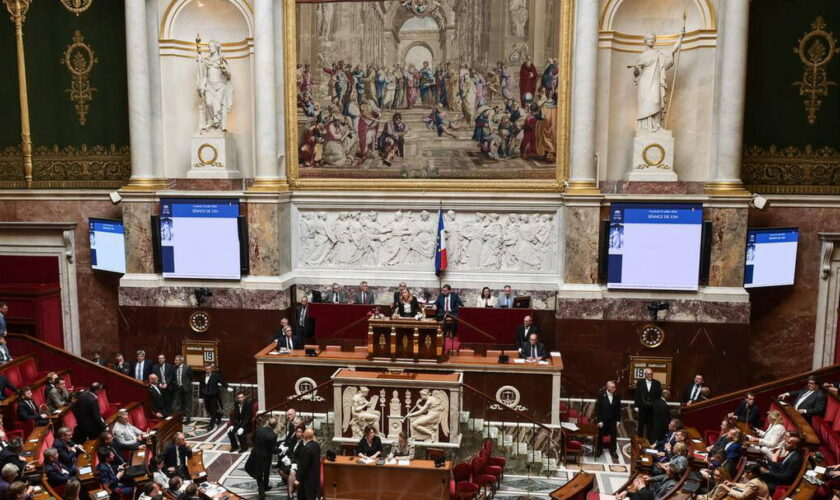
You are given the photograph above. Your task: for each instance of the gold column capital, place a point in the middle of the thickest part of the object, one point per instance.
(725, 188)
(269, 186)
(583, 187)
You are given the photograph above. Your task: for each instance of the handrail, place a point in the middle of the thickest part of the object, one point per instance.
(479, 330)
(739, 394)
(517, 412)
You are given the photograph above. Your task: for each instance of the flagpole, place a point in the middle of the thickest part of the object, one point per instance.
(676, 72)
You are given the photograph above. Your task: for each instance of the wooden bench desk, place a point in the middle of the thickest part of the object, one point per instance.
(420, 480)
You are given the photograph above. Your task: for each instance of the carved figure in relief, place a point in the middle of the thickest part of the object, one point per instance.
(491, 238)
(358, 411)
(433, 412)
(321, 240)
(423, 242)
(509, 240)
(525, 246)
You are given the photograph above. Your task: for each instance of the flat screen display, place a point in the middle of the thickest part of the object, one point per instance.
(655, 246)
(199, 238)
(107, 245)
(771, 257)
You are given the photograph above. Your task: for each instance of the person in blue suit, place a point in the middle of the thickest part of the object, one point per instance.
(447, 304)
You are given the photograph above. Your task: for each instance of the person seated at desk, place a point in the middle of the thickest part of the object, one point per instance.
(772, 437)
(669, 439)
(370, 446)
(190, 492)
(785, 471)
(486, 299)
(747, 411)
(288, 341)
(110, 480)
(447, 304)
(20, 490)
(505, 299)
(127, 436)
(67, 450)
(175, 457)
(28, 409)
(150, 491)
(753, 489)
(398, 294)
(809, 401)
(365, 296)
(279, 333)
(403, 448)
(176, 487)
(59, 396)
(715, 480)
(336, 295)
(408, 307)
(524, 330)
(57, 474)
(534, 350)
(637, 491)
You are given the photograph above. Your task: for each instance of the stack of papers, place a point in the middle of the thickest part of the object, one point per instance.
(569, 425)
(819, 469)
(404, 461)
(556, 354)
(518, 360)
(366, 460)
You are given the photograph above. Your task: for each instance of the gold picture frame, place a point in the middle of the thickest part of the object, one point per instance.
(563, 132)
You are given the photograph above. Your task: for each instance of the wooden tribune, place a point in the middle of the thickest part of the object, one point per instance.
(421, 480)
(406, 339)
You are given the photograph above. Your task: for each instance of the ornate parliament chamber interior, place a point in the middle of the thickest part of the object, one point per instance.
(420, 249)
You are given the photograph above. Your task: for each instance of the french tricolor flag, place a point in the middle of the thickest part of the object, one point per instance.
(440, 253)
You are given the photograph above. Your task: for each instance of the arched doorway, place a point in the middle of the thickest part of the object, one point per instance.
(420, 42)
(417, 54)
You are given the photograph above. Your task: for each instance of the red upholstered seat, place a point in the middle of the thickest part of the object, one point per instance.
(481, 478)
(68, 419)
(38, 395)
(14, 376)
(29, 371)
(711, 437)
(461, 486)
(831, 407)
(138, 419)
(487, 447)
(830, 457)
(780, 493)
(106, 408)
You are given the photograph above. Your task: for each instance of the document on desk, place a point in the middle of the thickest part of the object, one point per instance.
(518, 360)
(556, 354)
(569, 425)
(366, 460)
(404, 461)
(543, 362)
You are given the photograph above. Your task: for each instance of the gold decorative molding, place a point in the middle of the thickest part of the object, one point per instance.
(792, 170)
(68, 167)
(17, 11)
(79, 59)
(815, 50)
(554, 184)
(77, 6)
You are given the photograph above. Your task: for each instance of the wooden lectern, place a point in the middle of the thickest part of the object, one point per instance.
(405, 339)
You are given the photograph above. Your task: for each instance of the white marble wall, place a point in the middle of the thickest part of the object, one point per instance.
(477, 241)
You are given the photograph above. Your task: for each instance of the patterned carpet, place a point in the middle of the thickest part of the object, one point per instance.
(228, 469)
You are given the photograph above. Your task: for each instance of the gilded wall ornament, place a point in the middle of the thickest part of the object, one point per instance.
(792, 170)
(79, 59)
(68, 167)
(77, 6)
(815, 50)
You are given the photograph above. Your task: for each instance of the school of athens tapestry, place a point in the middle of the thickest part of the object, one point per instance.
(430, 89)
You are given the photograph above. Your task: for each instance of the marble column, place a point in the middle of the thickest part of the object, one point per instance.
(279, 90)
(143, 171)
(267, 176)
(725, 178)
(584, 100)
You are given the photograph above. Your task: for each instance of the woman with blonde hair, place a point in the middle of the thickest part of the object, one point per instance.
(770, 439)
(716, 479)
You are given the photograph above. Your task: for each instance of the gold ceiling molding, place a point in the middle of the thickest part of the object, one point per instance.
(77, 6)
(815, 49)
(79, 59)
(623, 42)
(105, 167)
(186, 49)
(791, 170)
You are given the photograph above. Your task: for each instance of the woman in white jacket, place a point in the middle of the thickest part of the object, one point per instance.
(486, 299)
(773, 437)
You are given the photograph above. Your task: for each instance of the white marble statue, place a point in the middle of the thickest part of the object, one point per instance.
(649, 76)
(518, 11)
(431, 413)
(358, 411)
(214, 88)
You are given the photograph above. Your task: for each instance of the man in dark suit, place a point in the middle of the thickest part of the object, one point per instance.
(809, 401)
(11, 454)
(336, 295)
(304, 324)
(288, 340)
(182, 389)
(157, 397)
(89, 423)
(57, 474)
(447, 304)
(747, 411)
(505, 299)
(691, 394)
(660, 416)
(28, 409)
(106, 440)
(784, 471)
(141, 368)
(524, 330)
(240, 422)
(175, 457)
(534, 350)
(210, 387)
(607, 415)
(668, 441)
(258, 465)
(109, 477)
(68, 451)
(6, 385)
(97, 358)
(648, 391)
(121, 365)
(165, 373)
(309, 468)
(364, 296)
(4, 310)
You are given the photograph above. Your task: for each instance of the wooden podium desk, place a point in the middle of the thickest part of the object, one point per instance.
(346, 479)
(537, 385)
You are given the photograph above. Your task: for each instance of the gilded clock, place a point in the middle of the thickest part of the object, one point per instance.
(651, 336)
(199, 321)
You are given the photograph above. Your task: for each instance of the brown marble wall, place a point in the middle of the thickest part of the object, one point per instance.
(582, 224)
(222, 298)
(264, 239)
(97, 290)
(136, 215)
(729, 234)
(626, 309)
